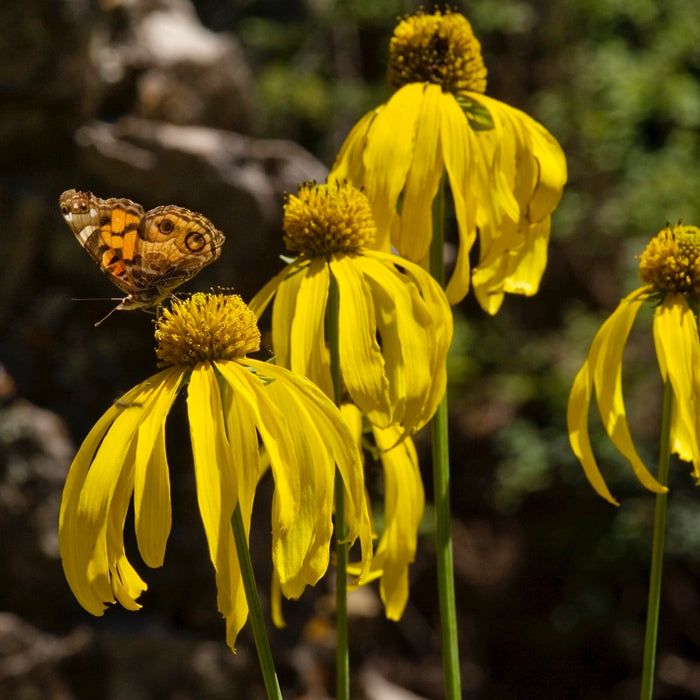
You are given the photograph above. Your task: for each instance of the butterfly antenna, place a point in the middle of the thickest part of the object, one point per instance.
(96, 298)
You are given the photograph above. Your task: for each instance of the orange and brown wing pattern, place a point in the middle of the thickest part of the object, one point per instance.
(107, 229)
(175, 244)
(146, 254)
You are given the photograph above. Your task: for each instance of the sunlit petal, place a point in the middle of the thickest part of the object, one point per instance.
(606, 362)
(349, 166)
(152, 512)
(260, 301)
(407, 330)
(245, 450)
(98, 469)
(404, 502)
(531, 159)
(430, 312)
(283, 311)
(388, 154)
(301, 553)
(603, 369)
(306, 334)
(458, 143)
(341, 448)
(361, 362)
(577, 422)
(217, 491)
(423, 178)
(273, 430)
(678, 350)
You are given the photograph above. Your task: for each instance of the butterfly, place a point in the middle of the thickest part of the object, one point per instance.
(147, 254)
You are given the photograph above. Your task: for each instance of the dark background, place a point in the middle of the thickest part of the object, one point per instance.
(224, 106)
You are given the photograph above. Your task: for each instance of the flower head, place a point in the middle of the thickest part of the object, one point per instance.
(505, 171)
(671, 261)
(440, 49)
(208, 327)
(395, 322)
(671, 272)
(325, 219)
(234, 403)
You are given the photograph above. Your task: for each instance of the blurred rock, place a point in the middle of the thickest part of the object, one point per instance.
(157, 60)
(30, 659)
(46, 84)
(35, 452)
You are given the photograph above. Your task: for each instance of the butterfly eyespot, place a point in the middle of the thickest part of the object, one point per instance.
(166, 226)
(195, 241)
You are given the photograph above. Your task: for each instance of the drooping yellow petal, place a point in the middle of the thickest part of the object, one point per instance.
(306, 334)
(529, 172)
(90, 559)
(411, 332)
(389, 154)
(341, 450)
(361, 361)
(300, 554)
(216, 493)
(404, 503)
(432, 313)
(458, 143)
(152, 512)
(531, 159)
(261, 300)
(109, 466)
(271, 425)
(276, 612)
(577, 421)
(603, 369)
(349, 165)
(245, 452)
(605, 357)
(104, 500)
(413, 235)
(531, 261)
(678, 350)
(495, 166)
(75, 544)
(283, 311)
(513, 263)
(110, 553)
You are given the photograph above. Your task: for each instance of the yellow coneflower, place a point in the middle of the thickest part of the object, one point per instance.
(234, 403)
(670, 270)
(506, 172)
(395, 324)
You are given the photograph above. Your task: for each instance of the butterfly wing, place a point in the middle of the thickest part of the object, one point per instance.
(108, 230)
(174, 245)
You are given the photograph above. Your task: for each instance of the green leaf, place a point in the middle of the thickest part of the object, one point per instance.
(477, 115)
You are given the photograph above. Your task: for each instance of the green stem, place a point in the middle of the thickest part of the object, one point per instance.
(441, 487)
(262, 643)
(657, 550)
(342, 656)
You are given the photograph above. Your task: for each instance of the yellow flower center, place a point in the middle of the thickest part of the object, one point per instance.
(325, 219)
(441, 49)
(205, 327)
(671, 260)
